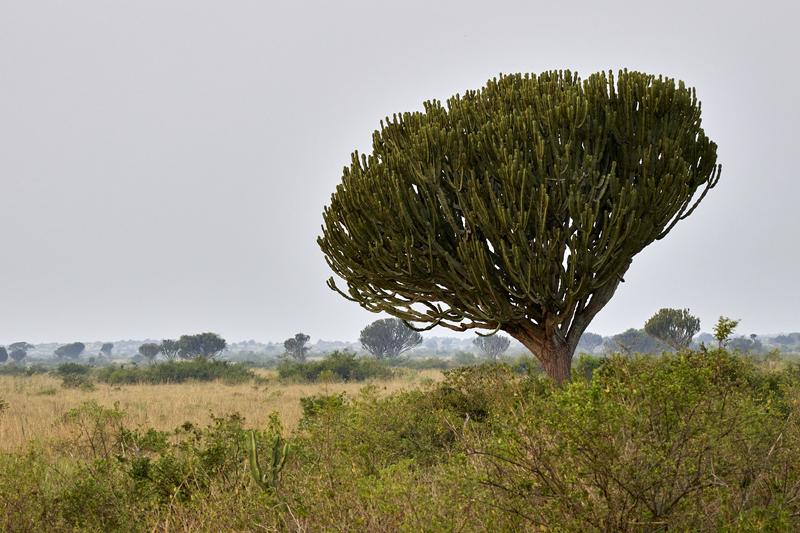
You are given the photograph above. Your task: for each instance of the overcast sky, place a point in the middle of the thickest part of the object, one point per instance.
(164, 164)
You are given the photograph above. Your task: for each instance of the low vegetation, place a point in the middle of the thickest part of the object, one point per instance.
(693, 441)
(176, 372)
(344, 366)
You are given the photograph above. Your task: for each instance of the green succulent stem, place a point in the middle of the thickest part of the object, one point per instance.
(268, 479)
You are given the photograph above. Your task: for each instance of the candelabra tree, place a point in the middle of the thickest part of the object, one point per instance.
(519, 206)
(675, 327)
(388, 338)
(493, 346)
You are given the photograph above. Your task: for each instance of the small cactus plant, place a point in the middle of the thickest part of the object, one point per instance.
(268, 479)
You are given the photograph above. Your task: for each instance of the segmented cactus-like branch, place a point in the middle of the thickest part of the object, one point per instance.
(518, 206)
(268, 479)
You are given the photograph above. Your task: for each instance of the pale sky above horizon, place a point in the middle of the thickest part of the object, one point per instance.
(164, 165)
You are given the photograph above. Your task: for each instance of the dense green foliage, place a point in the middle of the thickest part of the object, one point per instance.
(519, 206)
(202, 345)
(696, 441)
(176, 372)
(723, 330)
(339, 366)
(22, 370)
(675, 327)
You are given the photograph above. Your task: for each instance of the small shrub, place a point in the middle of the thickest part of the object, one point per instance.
(178, 372)
(72, 369)
(345, 366)
(17, 369)
(586, 365)
(429, 363)
(77, 381)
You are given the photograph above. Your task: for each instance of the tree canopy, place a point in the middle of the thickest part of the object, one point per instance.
(202, 345)
(170, 348)
(71, 351)
(675, 327)
(492, 346)
(388, 338)
(589, 341)
(22, 345)
(296, 346)
(519, 206)
(637, 341)
(3, 354)
(149, 350)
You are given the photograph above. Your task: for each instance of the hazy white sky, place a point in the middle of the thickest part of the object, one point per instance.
(164, 164)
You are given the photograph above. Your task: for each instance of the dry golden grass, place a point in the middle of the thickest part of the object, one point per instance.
(36, 404)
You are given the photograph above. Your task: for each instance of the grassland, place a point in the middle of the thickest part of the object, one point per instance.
(37, 404)
(691, 441)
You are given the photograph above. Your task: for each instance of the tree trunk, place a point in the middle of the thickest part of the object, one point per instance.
(555, 355)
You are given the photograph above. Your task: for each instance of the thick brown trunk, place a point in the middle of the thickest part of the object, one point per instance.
(555, 355)
(557, 362)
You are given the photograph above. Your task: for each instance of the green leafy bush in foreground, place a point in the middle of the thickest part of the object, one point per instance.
(177, 372)
(683, 442)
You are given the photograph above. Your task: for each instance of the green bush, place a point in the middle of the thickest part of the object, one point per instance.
(17, 369)
(72, 369)
(429, 363)
(586, 365)
(177, 372)
(77, 381)
(704, 441)
(345, 366)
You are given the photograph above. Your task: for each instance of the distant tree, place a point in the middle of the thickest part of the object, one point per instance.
(493, 346)
(3, 355)
(637, 341)
(296, 346)
(704, 338)
(170, 349)
(203, 346)
(106, 349)
(783, 341)
(19, 350)
(724, 329)
(22, 345)
(743, 344)
(72, 350)
(786, 342)
(589, 341)
(388, 338)
(149, 351)
(674, 327)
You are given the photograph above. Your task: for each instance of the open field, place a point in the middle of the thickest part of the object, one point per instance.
(36, 404)
(693, 441)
